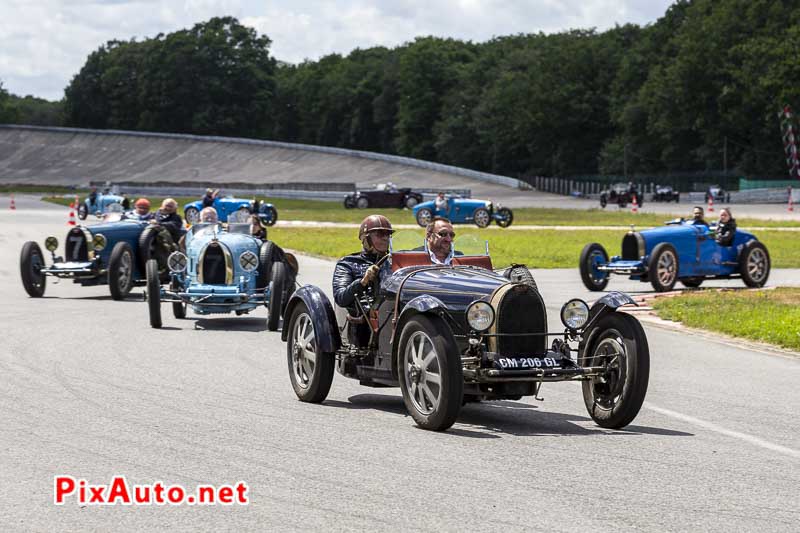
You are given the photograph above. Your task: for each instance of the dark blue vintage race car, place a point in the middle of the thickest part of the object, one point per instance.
(677, 252)
(464, 211)
(234, 210)
(224, 270)
(114, 253)
(100, 205)
(447, 335)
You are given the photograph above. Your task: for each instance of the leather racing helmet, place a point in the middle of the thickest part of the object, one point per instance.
(370, 224)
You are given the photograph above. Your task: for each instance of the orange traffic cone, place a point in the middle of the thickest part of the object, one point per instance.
(710, 203)
(634, 205)
(14, 206)
(71, 220)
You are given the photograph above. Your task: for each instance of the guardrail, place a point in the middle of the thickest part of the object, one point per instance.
(407, 161)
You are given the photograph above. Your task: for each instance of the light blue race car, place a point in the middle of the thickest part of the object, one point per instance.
(224, 270)
(679, 251)
(100, 204)
(464, 211)
(233, 210)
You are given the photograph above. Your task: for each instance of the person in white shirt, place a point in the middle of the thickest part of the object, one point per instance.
(439, 234)
(440, 204)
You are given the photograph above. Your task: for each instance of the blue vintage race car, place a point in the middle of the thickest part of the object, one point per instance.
(447, 335)
(464, 211)
(113, 252)
(237, 209)
(224, 270)
(102, 204)
(679, 251)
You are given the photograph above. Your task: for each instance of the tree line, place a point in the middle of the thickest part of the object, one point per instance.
(697, 90)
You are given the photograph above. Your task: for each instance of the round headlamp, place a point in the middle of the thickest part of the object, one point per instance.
(177, 261)
(248, 261)
(575, 313)
(51, 243)
(99, 242)
(480, 316)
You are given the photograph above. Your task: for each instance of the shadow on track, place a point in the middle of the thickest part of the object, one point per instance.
(237, 324)
(497, 418)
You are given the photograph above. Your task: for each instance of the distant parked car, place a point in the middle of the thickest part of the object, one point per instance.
(621, 194)
(665, 193)
(100, 205)
(224, 270)
(238, 209)
(112, 253)
(718, 194)
(383, 195)
(465, 211)
(678, 251)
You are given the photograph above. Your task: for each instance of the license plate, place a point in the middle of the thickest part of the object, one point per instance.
(527, 362)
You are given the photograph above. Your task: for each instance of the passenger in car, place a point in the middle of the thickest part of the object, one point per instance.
(209, 215)
(169, 219)
(209, 197)
(726, 227)
(439, 235)
(697, 217)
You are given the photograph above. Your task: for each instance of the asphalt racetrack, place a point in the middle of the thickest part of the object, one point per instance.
(88, 389)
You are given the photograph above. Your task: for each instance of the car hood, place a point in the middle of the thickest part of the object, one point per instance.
(455, 286)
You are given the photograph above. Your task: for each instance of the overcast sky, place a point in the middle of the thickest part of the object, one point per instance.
(43, 43)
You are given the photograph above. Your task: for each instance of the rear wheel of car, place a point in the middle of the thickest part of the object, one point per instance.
(481, 217)
(155, 244)
(31, 262)
(362, 203)
(592, 256)
(505, 217)
(277, 286)
(192, 215)
(424, 216)
(662, 267)
(429, 368)
(153, 293)
(310, 370)
(83, 211)
(620, 346)
(692, 283)
(754, 264)
(120, 271)
(411, 201)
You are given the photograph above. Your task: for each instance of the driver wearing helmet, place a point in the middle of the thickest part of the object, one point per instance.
(355, 273)
(141, 211)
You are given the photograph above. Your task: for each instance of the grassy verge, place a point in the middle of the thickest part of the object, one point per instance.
(771, 316)
(290, 209)
(535, 248)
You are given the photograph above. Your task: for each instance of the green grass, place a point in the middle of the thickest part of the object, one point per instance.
(771, 316)
(290, 209)
(535, 248)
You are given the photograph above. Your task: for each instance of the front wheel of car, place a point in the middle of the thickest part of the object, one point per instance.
(153, 293)
(619, 345)
(424, 216)
(592, 256)
(273, 216)
(362, 203)
(268, 254)
(754, 264)
(504, 217)
(120, 271)
(429, 368)
(276, 289)
(83, 211)
(192, 215)
(482, 217)
(411, 201)
(31, 262)
(662, 267)
(310, 370)
(348, 203)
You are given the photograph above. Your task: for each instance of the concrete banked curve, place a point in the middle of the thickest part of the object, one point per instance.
(70, 156)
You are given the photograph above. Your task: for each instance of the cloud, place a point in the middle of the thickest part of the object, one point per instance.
(46, 42)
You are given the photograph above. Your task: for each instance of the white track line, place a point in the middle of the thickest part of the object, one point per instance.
(719, 429)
